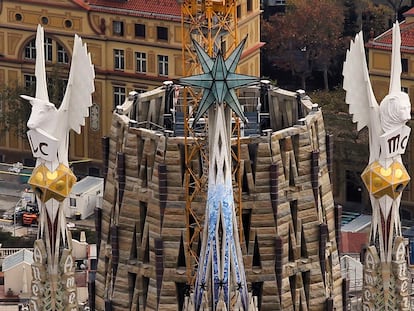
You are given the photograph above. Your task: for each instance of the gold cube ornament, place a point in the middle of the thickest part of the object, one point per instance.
(56, 184)
(382, 181)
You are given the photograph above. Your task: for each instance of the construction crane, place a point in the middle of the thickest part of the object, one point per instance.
(213, 24)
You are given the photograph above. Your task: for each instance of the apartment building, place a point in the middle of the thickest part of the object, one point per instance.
(135, 45)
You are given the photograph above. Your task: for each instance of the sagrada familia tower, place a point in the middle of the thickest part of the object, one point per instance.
(222, 205)
(232, 212)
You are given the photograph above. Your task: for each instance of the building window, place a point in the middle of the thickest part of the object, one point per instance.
(54, 52)
(249, 5)
(29, 81)
(119, 59)
(30, 50)
(404, 65)
(141, 61)
(140, 30)
(163, 65)
(62, 56)
(62, 85)
(68, 23)
(72, 202)
(119, 95)
(238, 11)
(118, 28)
(48, 49)
(162, 33)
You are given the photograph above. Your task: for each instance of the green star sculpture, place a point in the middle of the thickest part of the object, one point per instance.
(221, 263)
(219, 80)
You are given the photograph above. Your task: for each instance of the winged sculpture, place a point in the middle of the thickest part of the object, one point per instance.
(52, 178)
(385, 175)
(45, 117)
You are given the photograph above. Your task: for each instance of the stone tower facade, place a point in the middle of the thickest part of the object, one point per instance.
(289, 222)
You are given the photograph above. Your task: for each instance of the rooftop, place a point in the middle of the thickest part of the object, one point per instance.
(156, 9)
(23, 255)
(384, 40)
(86, 183)
(358, 224)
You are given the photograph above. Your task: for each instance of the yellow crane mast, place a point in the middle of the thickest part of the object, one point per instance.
(213, 24)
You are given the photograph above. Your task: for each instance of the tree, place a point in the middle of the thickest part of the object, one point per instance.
(306, 38)
(396, 6)
(15, 112)
(375, 19)
(351, 26)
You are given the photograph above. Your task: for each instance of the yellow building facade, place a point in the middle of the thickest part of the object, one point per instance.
(135, 46)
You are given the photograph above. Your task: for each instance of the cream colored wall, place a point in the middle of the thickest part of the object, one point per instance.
(13, 278)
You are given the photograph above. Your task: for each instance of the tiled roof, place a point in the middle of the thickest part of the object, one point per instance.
(23, 255)
(410, 12)
(384, 41)
(156, 9)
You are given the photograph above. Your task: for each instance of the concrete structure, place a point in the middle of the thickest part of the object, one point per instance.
(288, 223)
(135, 46)
(84, 197)
(18, 272)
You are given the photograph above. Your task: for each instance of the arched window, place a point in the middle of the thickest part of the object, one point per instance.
(54, 51)
(62, 55)
(30, 50)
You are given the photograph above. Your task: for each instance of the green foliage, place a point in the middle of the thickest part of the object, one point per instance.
(306, 38)
(56, 85)
(9, 241)
(351, 26)
(375, 19)
(15, 111)
(332, 101)
(336, 117)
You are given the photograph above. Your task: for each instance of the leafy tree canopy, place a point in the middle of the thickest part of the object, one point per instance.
(306, 37)
(14, 111)
(375, 18)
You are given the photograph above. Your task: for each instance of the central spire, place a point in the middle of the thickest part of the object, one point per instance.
(220, 276)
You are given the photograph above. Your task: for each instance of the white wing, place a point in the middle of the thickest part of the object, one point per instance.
(396, 68)
(359, 94)
(78, 99)
(40, 72)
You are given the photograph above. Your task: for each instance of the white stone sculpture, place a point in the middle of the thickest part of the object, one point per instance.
(385, 176)
(52, 179)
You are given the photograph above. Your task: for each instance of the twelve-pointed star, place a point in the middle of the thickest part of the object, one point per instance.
(219, 80)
